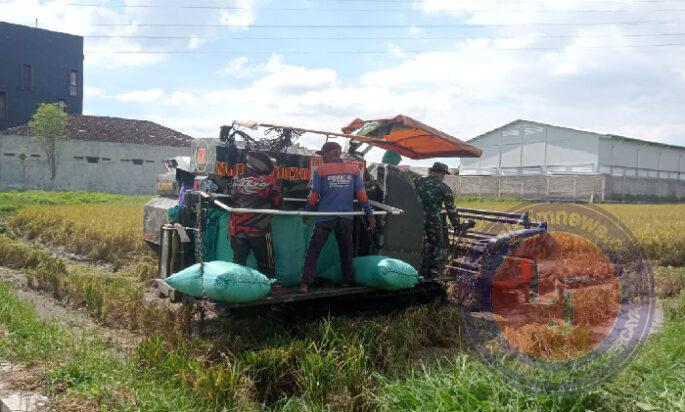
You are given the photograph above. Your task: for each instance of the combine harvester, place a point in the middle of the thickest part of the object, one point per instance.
(198, 231)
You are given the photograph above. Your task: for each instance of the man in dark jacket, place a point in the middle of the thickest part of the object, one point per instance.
(251, 232)
(434, 193)
(335, 185)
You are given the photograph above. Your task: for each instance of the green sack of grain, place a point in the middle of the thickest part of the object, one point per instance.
(290, 239)
(223, 282)
(379, 272)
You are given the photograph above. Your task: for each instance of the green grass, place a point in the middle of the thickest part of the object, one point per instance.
(26, 338)
(328, 365)
(464, 384)
(81, 367)
(114, 299)
(339, 364)
(12, 201)
(655, 381)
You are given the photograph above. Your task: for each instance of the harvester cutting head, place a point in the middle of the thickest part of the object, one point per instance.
(491, 254)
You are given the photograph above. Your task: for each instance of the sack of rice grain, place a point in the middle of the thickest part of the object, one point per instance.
(379, 272)
(222, 281)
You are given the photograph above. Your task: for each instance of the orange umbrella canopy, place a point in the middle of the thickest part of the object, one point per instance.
(411, 138)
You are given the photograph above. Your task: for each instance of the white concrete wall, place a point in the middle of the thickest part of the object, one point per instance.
(83, 165)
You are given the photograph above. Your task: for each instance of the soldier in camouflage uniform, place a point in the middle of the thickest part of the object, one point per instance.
(433, 193)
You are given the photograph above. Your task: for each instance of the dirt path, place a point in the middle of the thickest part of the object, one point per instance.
(50, 309)
(19, 388)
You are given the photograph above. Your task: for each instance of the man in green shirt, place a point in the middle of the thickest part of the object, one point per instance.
(433, 193)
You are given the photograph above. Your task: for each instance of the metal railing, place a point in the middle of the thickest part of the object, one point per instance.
(385, 209)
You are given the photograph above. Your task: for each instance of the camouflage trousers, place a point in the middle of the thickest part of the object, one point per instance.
(431, 258)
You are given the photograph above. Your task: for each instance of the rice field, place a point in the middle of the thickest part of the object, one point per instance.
(100, 232)
(415, 360)
(112, 232)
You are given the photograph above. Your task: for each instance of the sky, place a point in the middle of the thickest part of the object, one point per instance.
(464, 67)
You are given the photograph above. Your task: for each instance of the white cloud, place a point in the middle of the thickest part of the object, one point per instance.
(92, 91)
(103, 22)
(414, 30)
(195, 42)
(141, 96)
(464, 92)
(179, 98)
(237, 67)
(242, 17)
(396, 51)
(574, 76)
(285, 79)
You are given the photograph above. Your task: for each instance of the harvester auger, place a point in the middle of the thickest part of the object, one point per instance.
(201, 210)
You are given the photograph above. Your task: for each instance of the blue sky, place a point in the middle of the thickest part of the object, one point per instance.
(465, 67)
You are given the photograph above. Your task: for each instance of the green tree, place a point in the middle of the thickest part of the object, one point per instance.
(47, 124)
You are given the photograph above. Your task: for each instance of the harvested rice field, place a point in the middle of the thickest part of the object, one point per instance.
(81, 257)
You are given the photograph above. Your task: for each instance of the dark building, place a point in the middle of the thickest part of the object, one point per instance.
(38, 66)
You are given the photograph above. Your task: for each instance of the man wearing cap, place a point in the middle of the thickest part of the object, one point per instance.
(334, 187)
(251, 232)
(434, 193)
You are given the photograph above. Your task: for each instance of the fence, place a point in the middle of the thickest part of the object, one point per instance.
(579, 187)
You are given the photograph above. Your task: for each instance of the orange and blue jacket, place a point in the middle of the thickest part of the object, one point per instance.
(335, 185)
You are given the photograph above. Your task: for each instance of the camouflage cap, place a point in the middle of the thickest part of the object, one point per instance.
(440, 168)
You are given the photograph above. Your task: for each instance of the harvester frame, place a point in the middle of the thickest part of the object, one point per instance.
(473, 256)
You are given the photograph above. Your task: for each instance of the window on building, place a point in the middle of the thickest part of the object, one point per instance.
(137, 161)
(106, 159)
(3, 105)
(62, 104)
(91, 159)
(26, 77)
(78, 157)
(35, 156)
(73, 83)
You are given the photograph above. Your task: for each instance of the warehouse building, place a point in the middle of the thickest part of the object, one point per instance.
(526, 159)
(102, 154)
(38, 66)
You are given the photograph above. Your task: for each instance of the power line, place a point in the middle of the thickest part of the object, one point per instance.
(300, 9)
(500, 1)
(389, 26)
(342, 52)
(536, 35)
(412, 2)
(373, 10)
